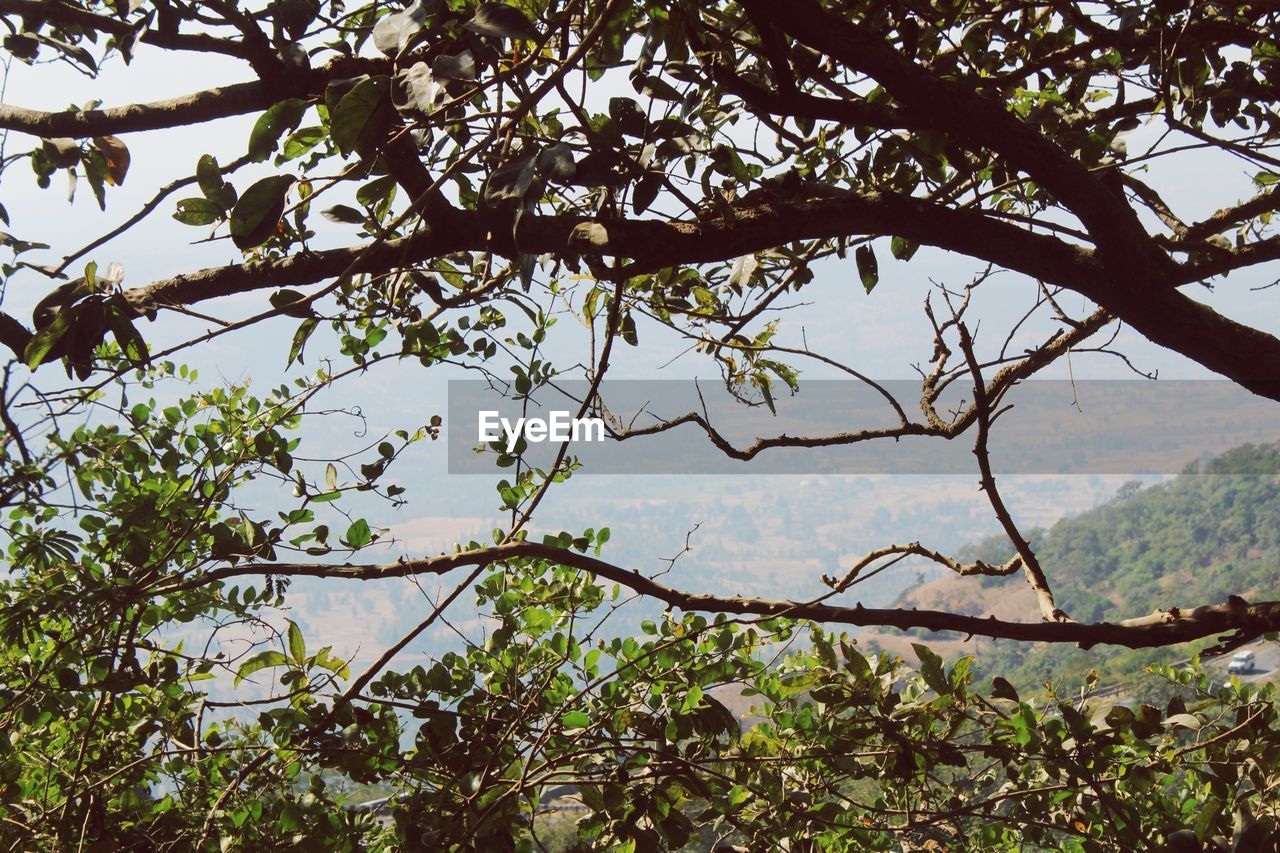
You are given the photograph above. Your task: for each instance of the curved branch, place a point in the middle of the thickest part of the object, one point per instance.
(1162, 628)
(1049, 609)
(960, 110)
(64, 14)
(1151, 305)
(915, 549)
(660, 244)
(1057, 345)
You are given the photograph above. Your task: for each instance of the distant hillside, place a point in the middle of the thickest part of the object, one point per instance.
(1212, 531)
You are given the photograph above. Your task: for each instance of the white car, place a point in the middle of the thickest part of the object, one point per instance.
(1242, 662)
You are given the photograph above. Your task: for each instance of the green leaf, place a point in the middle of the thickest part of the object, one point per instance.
(460, 66)
(300, 142)
(96, 171)
(128, 337)
(510, 182)
(627, 328)
(644, 192)
(360, 119)
(290, 819)
(378, 192)
(1002, 689)
(868, 269)
(300, 337)
(218, 192)
(281, 118)
(197, 211)
(575, 720)
(297, 646)
(262, 660)
(538, 619)
(741, 271)
(257, 213)
(291, 303)
(359, 534)
(931, 669)
(46, 339)
(902, 248)
(395, 32)
(1187, 721)
(208, 175)
(116, 155)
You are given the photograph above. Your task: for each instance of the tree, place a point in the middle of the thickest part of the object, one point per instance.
(504, 166)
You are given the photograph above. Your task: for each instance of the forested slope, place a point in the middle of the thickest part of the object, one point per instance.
(1211, 531)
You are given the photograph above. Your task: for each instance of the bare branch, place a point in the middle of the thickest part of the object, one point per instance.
(982, 405)
(854, 575)
(1162, 628)
(65, 14)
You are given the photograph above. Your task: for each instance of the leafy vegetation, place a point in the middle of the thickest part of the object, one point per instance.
(665, 176)
(1211, 532)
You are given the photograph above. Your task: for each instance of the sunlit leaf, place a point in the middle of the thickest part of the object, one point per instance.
(297, 646)
(260, 661)
(393, 33)
(117, 157)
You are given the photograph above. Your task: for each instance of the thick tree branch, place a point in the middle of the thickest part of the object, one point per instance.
(1227, 217)
(300, 269)
(1172, 319)
(1155, 308)
(208, 105)
(198, 107)
(1162, 628)
(659, 244)
(959, 110)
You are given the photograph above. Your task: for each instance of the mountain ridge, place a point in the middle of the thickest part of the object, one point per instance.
(1210, 532)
